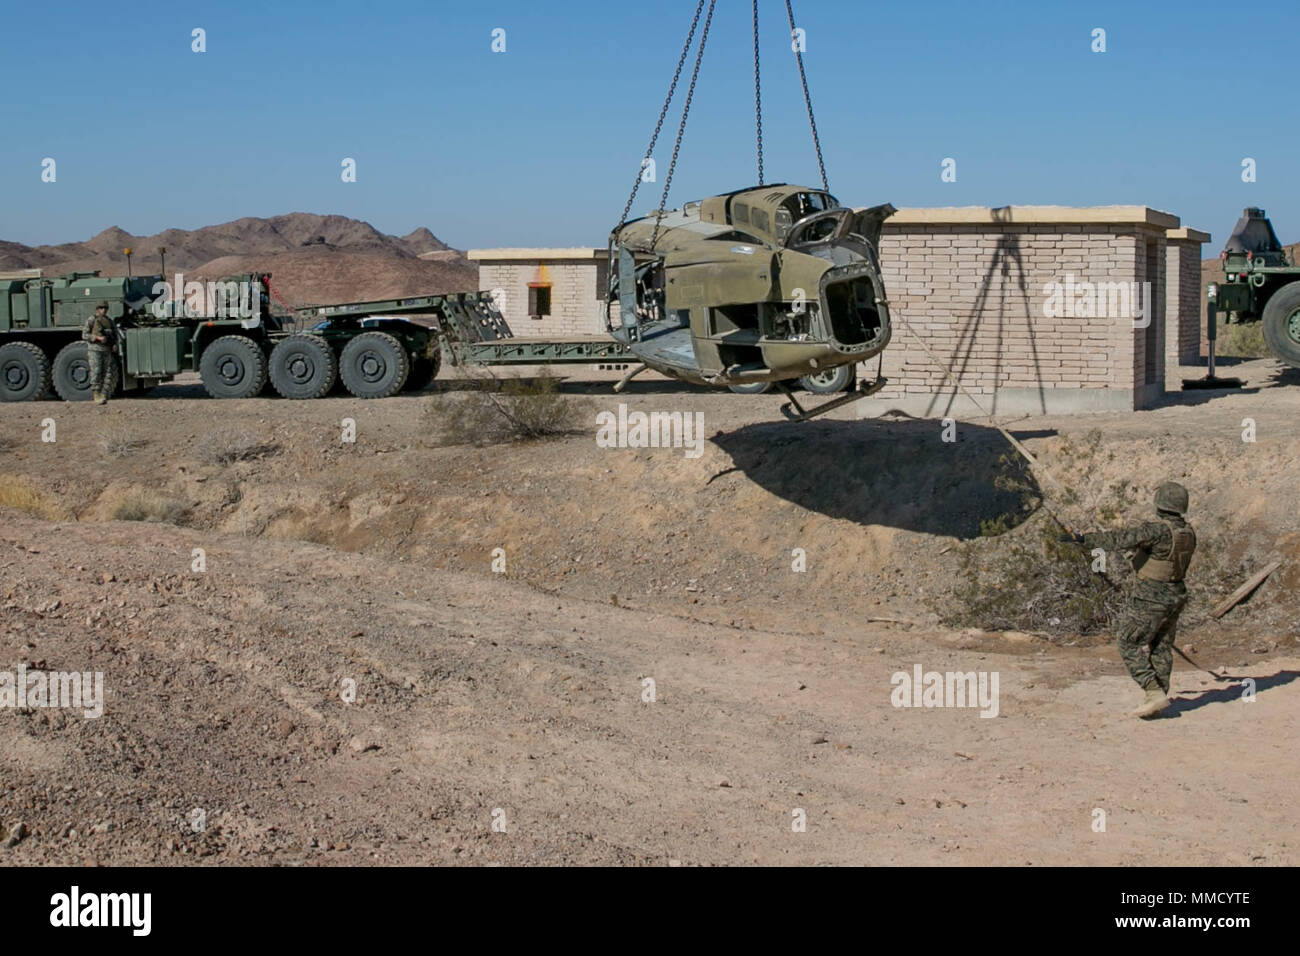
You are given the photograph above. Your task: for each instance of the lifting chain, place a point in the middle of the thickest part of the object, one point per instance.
(758, 99)
(672, 88)
(690, 93)
(681, 129)
(798, 56)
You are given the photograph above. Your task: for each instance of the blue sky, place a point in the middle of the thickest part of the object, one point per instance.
(539, 145)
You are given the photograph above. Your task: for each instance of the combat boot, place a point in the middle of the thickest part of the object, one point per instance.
(98, 398)
(1155, 702)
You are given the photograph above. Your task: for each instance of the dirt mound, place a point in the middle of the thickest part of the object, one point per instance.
(876, 512)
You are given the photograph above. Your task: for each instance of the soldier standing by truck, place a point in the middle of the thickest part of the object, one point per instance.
(100, 335)
(1163, 551)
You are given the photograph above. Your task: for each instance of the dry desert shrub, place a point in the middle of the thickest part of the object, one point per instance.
(120, 442)
(224, 448)
(494, 411)
(1241, 340)
(19, 493)
(1028, 579)
(1022, 576)
(142, 504)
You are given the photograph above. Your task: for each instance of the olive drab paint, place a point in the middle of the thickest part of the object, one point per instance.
(764, 284)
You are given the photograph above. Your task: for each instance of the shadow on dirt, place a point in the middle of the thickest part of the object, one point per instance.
(900, 474)
(1255, 375)
(1229, 693)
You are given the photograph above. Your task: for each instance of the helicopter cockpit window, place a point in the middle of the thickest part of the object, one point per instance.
(805, 204)
(783, 223)
(797, 207)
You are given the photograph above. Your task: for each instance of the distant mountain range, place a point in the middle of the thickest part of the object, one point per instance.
(313, 259)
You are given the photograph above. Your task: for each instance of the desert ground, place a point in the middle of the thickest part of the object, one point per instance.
(505, 716)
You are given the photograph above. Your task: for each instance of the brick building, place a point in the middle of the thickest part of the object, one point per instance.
(1032, 309)
(1035, 309)
(547, 292)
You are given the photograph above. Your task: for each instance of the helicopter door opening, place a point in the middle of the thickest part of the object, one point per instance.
(854, 318)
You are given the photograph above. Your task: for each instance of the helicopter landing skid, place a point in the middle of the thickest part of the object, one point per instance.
(797, 413)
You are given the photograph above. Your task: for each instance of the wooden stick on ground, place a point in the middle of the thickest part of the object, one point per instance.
(1231, 601)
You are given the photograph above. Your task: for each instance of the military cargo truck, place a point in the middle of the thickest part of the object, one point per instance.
(224, 330)
(1260, 284)
(228, 334)
(217, 333)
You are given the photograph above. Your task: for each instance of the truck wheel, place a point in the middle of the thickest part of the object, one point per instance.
(833, 380)
(303, 366)
(24, 373)
(374, 365)
(1282, 324)
(423, 371)
(233, 367)
(753, 388)
(72, 373)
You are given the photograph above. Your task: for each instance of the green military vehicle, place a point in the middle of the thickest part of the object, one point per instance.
(223, 330)
(227, 333)
(1260, 284)
(218, 333)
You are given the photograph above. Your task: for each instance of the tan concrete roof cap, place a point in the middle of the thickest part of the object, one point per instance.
(580, 252)
(1033, 215)
(1186, 232)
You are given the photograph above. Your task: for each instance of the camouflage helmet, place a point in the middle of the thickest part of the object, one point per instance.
(1171, 496)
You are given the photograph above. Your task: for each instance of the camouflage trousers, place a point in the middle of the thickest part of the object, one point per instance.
(103, 369)
(1146, 640)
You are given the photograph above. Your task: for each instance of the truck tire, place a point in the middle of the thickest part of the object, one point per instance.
(233, 367)
(423, 372)
(303, 366)
(837, 379)
(24, 373)
(72, 373)
(1282, 324)
(374, 365)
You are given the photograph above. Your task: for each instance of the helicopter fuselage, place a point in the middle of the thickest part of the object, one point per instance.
(760, 285)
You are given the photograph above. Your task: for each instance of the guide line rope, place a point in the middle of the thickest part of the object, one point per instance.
(1034, 464)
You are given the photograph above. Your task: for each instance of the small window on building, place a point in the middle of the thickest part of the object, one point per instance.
(539, 300)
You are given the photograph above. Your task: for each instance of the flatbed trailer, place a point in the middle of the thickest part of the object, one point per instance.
(465, 329)
(470, 331)
(374, 349)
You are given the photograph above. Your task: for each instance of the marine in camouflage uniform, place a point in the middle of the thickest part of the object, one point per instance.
(100, 335)
(1163, 551)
